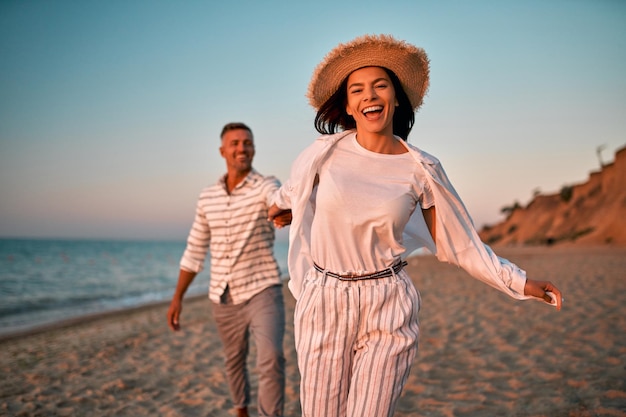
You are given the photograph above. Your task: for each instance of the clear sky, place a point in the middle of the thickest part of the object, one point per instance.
(110, 111)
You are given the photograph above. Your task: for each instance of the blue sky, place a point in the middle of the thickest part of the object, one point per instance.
(110, 111)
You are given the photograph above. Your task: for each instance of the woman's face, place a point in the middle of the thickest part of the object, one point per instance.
(371, 100)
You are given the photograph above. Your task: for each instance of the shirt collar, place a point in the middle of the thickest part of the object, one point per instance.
(252, 177)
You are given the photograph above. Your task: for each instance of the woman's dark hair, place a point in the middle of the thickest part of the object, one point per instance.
(332, 114)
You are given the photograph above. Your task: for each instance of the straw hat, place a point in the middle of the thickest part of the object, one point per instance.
(408, 62)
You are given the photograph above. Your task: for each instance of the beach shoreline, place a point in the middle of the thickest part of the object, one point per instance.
(86, 319)
(481, 352)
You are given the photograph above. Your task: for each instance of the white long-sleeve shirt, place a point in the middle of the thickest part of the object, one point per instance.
(457, 243)
(234, 227)
(363, 201)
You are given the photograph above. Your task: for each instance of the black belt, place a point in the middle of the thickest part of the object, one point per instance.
(397, 267)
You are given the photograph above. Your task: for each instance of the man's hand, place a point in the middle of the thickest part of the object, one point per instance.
(280, 217)
(173, 314)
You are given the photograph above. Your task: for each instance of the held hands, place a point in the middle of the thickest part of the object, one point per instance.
(280, 217)
(539, 289)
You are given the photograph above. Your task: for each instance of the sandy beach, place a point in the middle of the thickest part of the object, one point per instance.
(481, 353)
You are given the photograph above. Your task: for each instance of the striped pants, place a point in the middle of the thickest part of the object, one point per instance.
(355, 341)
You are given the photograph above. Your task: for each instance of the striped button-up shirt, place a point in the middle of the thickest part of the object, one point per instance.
(234, 227)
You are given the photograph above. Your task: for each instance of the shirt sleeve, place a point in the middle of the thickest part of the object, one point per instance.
(271, 185)
(458, 242)
(427, 199)
(198, 242)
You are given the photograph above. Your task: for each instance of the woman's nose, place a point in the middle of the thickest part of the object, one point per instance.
(370, 93)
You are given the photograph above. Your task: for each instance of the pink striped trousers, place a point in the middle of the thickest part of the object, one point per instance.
(356, 341)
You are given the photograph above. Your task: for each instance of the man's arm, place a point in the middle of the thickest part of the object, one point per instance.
(278, 216)
(176, 306)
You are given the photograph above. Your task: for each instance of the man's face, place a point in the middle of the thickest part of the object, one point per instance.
(238, 150)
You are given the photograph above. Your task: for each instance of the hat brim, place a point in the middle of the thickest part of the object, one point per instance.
(408, 62)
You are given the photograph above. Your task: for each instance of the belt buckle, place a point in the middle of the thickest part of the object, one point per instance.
(351, 276)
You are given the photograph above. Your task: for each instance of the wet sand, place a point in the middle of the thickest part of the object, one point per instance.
(481, 353)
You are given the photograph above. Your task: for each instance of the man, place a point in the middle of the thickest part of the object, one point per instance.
(245, 286)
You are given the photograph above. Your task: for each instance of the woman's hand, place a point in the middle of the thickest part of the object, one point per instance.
(538, 289)
(280, 217)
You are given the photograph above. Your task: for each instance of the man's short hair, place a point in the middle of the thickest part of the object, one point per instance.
(234, 126)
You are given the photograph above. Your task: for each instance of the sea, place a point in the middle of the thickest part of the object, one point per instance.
(47, 281)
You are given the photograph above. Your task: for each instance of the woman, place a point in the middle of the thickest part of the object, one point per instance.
(362, 200)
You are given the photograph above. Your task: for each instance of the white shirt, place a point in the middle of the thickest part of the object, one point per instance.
(234, 227)
(362, 205)
(458, 242)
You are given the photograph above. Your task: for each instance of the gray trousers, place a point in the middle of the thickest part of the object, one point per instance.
(263, 317)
